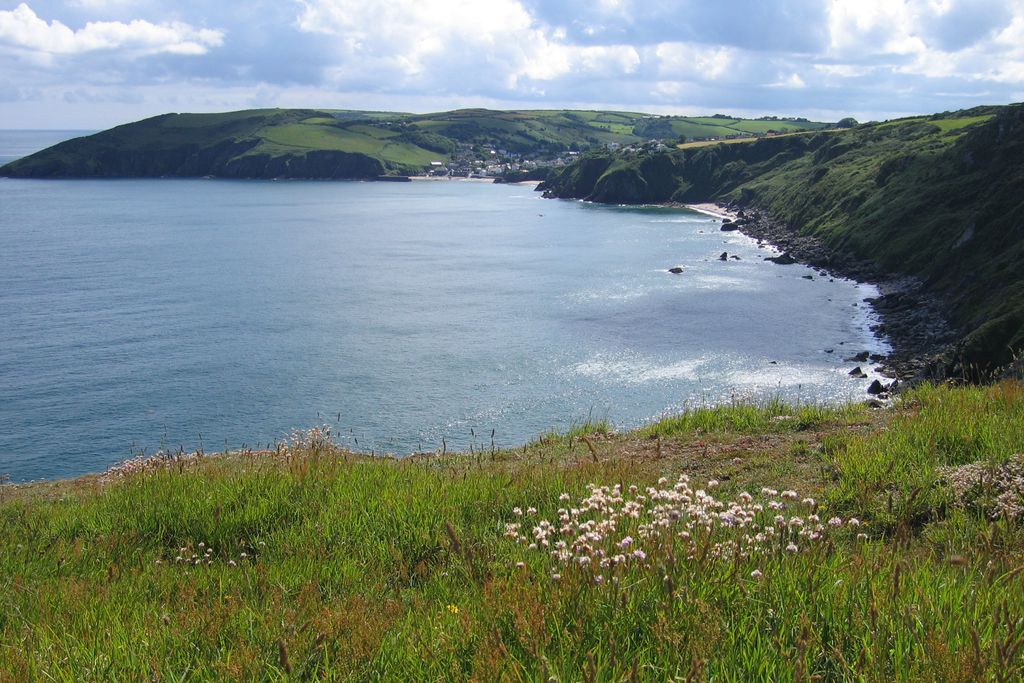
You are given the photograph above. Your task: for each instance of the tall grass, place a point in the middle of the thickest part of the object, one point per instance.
(319, 564)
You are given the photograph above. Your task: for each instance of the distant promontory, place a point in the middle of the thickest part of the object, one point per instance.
(332, 144)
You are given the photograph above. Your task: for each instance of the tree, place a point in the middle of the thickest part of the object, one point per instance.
(848, 122)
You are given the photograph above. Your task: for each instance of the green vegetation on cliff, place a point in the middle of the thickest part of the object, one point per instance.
(761, 543)
(308, 143)
(940, 198)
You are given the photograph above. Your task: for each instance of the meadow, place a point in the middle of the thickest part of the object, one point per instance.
(736, 543)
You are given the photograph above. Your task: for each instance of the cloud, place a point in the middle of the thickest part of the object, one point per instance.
(868, 58)
(454, 46)
(23, 30)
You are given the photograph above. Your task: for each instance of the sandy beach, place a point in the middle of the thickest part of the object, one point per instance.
(712, 210)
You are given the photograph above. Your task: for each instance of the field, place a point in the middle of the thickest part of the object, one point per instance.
(282, 142)
(761, 542)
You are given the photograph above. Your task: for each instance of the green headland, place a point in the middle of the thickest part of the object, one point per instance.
(310, 143)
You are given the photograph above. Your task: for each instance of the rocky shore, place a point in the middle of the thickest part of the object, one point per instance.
(912, 319)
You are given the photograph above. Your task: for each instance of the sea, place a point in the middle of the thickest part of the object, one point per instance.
(172, 314)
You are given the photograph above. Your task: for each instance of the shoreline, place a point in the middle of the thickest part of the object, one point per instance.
(910, 318)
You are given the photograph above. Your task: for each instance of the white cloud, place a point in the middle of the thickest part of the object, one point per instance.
(685, 61)
(456, 45)
(825, 58)
(23, 30)
(790, 82)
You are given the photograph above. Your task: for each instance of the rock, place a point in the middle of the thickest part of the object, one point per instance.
(726, 220)
(734, 257)
(876, 388)
(829, 350)
(784, 260)
(729, 227)
(675, 270)
(858, 358)
(724, 256)
(875, 404)
(807, 277)
(857, 373)
(877, 357)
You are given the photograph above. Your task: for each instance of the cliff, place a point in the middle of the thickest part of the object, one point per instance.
(939, 198)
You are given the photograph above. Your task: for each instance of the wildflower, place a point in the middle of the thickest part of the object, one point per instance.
(231, 563)
(556, 577)
(518, 512)
(626, 542)
(792, 548)
(564, 496)
(835, 521)
(712, 483)
(854, 522)
(790, 495)
(598, 579)
(531, 511)
(454, 609)
(244, 555)
(862, 537)
(756, 574)
(639, 554)
(520, 565)
(809, 502)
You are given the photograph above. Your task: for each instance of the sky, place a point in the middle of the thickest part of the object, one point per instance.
(91, 64)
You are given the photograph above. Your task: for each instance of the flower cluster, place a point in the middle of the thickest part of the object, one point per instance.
(146, 464)
(300, 443)
(203, 555)
(998, 490)
(305, 441)
(612, 528)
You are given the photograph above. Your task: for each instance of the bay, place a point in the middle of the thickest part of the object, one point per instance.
(147, 314)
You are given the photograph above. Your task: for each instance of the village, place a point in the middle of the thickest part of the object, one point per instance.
(487, 161)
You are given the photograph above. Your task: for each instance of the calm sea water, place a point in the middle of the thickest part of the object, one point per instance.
(141, 313)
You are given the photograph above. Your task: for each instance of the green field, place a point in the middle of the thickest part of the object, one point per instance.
(280, 142)
(760, 543)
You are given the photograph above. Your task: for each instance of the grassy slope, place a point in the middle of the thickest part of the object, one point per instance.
(940, 198)
(208, 144)
(374, 569)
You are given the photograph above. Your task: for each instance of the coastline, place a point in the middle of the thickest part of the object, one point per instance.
(911, 319)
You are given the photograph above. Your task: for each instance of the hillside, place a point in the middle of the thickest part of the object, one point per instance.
(309, 143)
(939, 198)
(741, 543)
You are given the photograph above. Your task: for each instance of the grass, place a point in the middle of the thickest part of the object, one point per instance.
(315, 563)
(932, 197)
(360, 139)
